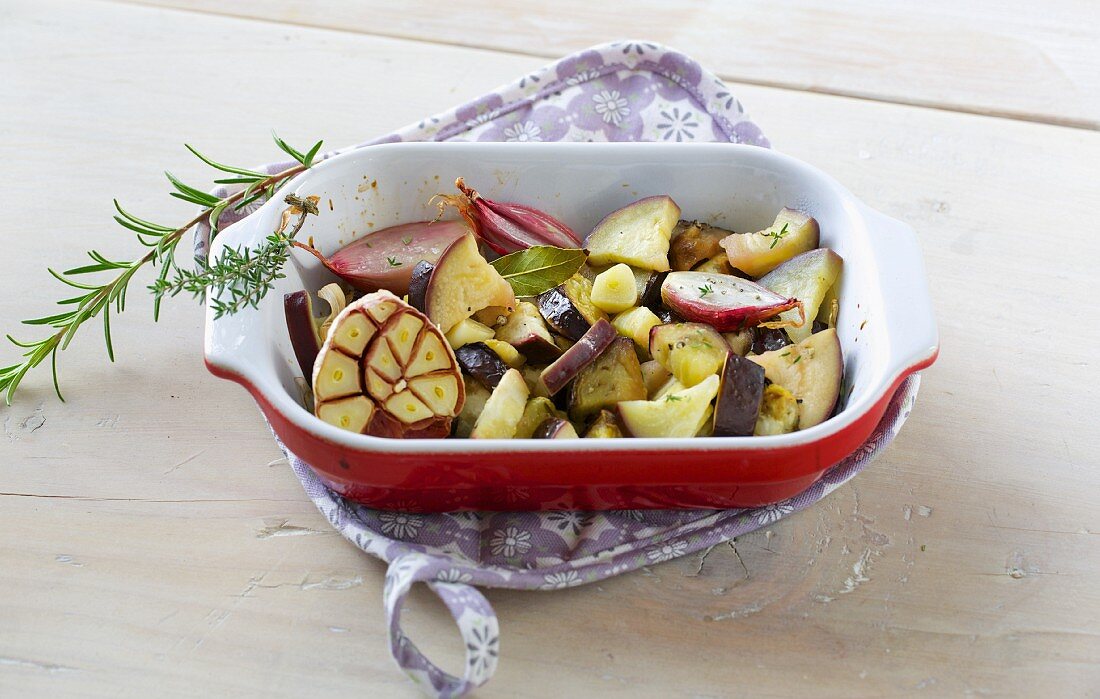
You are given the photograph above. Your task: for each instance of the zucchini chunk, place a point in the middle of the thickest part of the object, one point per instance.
(636, 323)
(537, 411)
(467, 332)
(691, 351)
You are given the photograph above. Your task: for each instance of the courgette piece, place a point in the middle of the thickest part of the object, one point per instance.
(636, 324)
(537, 411)
(691, 351)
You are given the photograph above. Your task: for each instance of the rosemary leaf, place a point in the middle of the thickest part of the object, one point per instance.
(224, 168)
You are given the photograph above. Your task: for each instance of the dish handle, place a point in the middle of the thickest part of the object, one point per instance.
(234, 342)
(911, 327)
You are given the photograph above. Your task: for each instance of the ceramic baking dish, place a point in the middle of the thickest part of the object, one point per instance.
(886, 326)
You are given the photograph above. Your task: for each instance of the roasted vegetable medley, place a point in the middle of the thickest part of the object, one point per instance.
(505, 324)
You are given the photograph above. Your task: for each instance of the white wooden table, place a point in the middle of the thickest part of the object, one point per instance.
(152, 543)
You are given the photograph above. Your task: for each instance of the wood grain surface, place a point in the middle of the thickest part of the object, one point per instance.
(153, 543)
(1026, 60)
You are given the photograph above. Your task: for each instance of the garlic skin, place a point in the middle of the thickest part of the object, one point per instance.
(337, 301)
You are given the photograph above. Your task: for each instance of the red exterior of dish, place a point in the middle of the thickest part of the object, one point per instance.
(575, 479)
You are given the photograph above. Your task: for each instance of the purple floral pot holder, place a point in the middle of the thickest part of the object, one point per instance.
(625, 91)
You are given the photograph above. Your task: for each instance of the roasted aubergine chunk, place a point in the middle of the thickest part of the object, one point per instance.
(614, 376)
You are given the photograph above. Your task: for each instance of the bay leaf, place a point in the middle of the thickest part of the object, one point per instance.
(539, 268)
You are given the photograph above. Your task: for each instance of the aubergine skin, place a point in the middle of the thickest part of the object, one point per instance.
(552, 428)
(561, 315)
(481, 363)
(418, 285)
(651, 299)
(768, 339)
(526, 330)
(298, 308)
(739, 397)
(558, 375)
(666, 315)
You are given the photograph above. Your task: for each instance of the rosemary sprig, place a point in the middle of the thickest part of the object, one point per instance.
(259, 268)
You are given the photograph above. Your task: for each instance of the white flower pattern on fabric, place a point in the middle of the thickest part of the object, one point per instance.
(483, 118)
(773, 513)
(612, 106)
(509, 542)
(401, 525)
(453, 575)
(666, 552)
(558, 581)
(582, 77)
(523, 132)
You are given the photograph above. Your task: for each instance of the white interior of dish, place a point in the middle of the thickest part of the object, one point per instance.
(737, 187)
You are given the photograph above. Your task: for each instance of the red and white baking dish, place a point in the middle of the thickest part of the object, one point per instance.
(886, 325)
